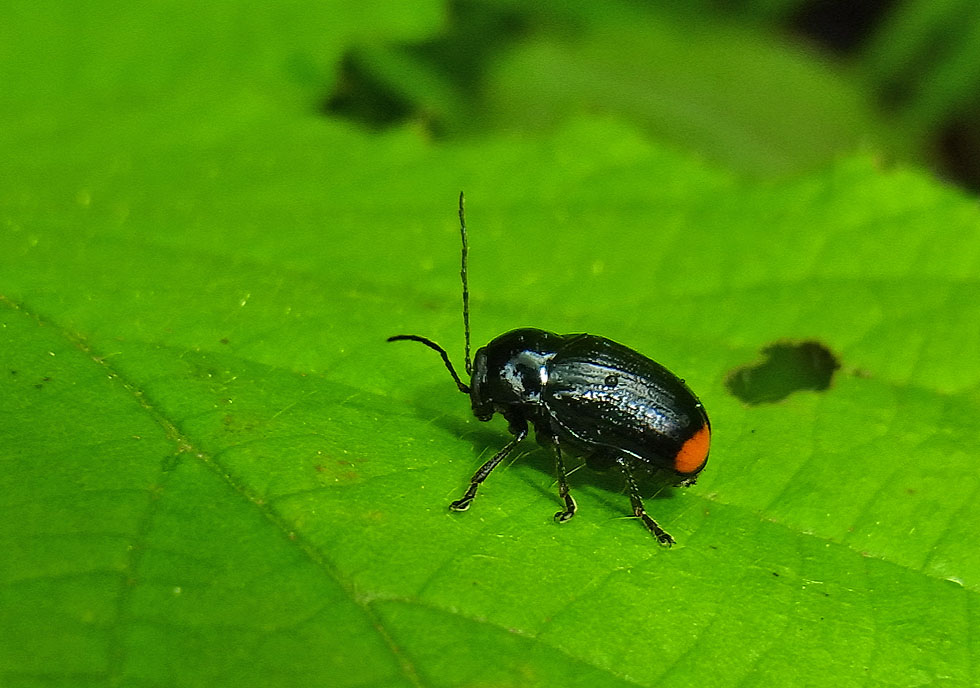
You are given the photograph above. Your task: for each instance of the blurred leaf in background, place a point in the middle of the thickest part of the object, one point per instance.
(766, 88)
(214, 471)
(732, 92)
(924, 66)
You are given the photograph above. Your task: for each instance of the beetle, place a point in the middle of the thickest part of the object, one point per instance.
(586, 393)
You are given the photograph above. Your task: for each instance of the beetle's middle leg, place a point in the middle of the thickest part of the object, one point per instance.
(563, 491)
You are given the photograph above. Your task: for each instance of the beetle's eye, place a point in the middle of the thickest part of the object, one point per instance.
(612, 380)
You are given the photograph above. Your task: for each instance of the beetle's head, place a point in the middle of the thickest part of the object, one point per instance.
(480, 398)
(511, 370)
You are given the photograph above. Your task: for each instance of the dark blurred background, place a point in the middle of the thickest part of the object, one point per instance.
(764, 87)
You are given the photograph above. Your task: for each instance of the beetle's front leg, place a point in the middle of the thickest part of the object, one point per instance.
(520, 432)
(563, 491)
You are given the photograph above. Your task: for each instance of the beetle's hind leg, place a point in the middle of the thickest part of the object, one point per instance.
(563, 491)
(638, 510)
(463, 503)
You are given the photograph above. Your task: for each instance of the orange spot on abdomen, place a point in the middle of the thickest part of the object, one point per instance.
(694, 452)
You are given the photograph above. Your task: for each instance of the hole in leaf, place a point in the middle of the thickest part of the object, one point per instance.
(787, 367)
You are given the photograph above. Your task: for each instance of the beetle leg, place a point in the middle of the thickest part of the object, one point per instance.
(463, 503)
(662, 535)
(563, 491)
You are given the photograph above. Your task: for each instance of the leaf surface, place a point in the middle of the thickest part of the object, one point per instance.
(216, 472)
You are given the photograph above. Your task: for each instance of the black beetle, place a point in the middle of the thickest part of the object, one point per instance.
(588, 393)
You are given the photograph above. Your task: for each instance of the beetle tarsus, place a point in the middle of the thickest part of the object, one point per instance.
(570, 508)
(663, 537)
(464, 503)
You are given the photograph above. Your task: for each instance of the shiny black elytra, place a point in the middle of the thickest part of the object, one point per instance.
(588, 393)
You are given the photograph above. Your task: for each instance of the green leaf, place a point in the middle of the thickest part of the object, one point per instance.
(737, 95)
(925, 62)
(214, 471)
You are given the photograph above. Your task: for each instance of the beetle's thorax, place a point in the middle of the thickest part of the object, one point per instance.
(511, 370)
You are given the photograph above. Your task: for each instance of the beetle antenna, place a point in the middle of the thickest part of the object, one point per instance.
(463, 387)
(466, 285)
